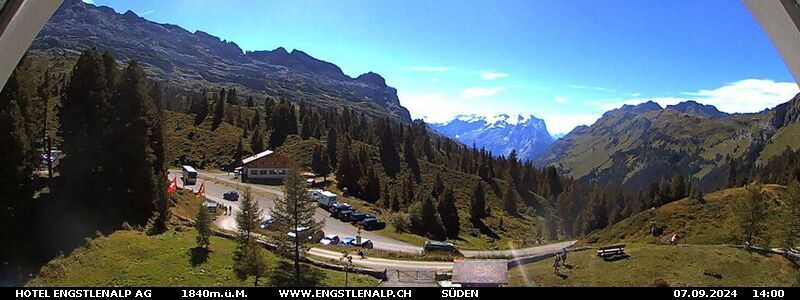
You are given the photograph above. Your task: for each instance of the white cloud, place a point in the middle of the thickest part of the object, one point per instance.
(88, 1)
(563, 123)
(748, 95)
(429, 69)
(432, 107)
(560, 99)
(480, 92)
(743, 96)
(593, 88)
(148, 12)
(493, 75)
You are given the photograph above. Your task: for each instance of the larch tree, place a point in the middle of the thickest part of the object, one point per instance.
(248, 257)
(294, 212)
(751, 214)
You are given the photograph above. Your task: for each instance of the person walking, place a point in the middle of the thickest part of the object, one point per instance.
(564, 256)
(674, 240)
(556, 263)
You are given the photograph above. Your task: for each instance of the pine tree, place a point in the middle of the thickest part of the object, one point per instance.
(410, 157)
(305, 132)
(139, 139)
(331, 146)
(250, 102)
(389, 157)
(201, 109)
(438, 185)
(751, 214)
(256, 141)
(15, 185)
(789, 229)
(248, 257)
(449, 213)
(233, 98)
(345, 170)
(85, 98)
(553, 182)
(203, 226)
(478, 203)
(295, 210)
(371, 188)
(509, 200)
(319, 161)
(239, 154)
(248, 218)
(731, 180)
(219, 113)
(429, 217)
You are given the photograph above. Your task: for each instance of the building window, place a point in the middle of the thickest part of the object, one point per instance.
(282, 172)
(253, 172)
(272, 172)
(263, 172)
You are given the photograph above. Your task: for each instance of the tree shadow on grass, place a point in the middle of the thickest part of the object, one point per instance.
(283, 275)
(198, 255)
(484, 229)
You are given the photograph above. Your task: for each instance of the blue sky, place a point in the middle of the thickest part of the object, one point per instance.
(564, 61)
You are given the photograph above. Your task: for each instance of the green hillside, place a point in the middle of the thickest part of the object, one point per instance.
(654, 265)
(131, 258)
(709, 222)
(786, 137)
(637, 145)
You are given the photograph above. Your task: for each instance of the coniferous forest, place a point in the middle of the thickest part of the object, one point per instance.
(118, 133)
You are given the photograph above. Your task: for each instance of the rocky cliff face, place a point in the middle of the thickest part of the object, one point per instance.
(499, 134)
(187, 59)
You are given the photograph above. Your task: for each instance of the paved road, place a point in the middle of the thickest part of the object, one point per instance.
(217, 183)
(265, 196)
(533, 251)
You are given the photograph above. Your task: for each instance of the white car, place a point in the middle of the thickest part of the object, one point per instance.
(329, 240)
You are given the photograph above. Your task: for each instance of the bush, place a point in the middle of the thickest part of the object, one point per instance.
(660, 283)
(401, 222)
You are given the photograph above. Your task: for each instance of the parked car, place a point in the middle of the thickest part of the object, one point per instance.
(232, 196)
(365, 243)
(267, 222)
(345, 215)
(330, 239)
(347, 241)
(336, 208)
(358, 216)
(304, 234)
(438, 246)
(372, 224)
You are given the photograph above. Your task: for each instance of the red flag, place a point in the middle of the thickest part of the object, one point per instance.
(202, 191)
(173, 186)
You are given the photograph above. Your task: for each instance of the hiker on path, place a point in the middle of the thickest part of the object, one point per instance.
(674, 240)
(564, 256)
(556, 263)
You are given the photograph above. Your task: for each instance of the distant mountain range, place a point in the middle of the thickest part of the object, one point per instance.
(499, 134)
(190, 60)
(637, 145)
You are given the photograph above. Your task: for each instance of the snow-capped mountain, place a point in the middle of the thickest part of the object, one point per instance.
(499, 134)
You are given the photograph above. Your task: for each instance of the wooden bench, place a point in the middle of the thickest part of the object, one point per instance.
(611, 251)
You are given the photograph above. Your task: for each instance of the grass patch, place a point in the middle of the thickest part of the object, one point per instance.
(710, 222)
(131, 258)
(702, 265)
